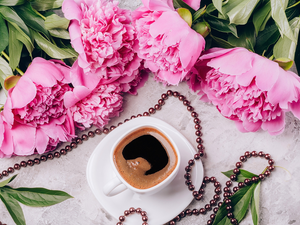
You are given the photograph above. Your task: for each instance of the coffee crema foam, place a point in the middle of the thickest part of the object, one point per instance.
(145, 158)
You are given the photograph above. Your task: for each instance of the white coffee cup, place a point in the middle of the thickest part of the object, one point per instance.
(118, 184)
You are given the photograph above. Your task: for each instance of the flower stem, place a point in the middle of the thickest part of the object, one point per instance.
(8, 59)
(19, 71)
(6, 56)
(37, 12)
(297, 3)
(265, 170)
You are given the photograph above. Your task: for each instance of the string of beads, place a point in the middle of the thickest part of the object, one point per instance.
(197, 194)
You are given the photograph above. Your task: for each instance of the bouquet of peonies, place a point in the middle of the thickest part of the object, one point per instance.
(234, 54)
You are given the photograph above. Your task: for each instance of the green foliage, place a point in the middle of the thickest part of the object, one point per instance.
(3, 35)
(268, 27)
(34, 197)
(23, 23)
(244, 198)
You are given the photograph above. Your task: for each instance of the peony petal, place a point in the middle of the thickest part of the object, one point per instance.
(227, 63)
(23, 139)
(267, 73)
(7, 146)
(65, 70)
(240, 127)
(79, 78)
(295, 108)
(23, 93)
(1, 130)
(42, 141)
(133, 89)
(215, 52)
(275, 126)
(172, 78)
(78, 93)
(171, 26)
(279, 94)
(72, 10)
(7, 112)
(43, 72)
(251, 126)
(190, 49)
(69, 125)
(158, 5)
(57, 132)
(263, 70)
(195, 4)
(75, 36)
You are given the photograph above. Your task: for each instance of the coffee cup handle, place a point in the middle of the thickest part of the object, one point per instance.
(114, 187)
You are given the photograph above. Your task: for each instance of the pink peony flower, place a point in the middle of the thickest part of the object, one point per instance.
(168, 45)
(103, 36)
(247, 88)
(34, 118)
(92, 101)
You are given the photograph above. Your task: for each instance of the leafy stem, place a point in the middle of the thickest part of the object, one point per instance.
(34, 197)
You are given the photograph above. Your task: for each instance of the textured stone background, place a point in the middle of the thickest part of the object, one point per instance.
(279, 198)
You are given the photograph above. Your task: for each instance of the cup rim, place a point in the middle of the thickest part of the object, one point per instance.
(171, 175)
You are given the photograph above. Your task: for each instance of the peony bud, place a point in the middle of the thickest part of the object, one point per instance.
(202, 28)
(284, 63)
(186, 15)
(11, 81)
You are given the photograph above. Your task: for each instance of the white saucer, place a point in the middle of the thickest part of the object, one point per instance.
(160, 207)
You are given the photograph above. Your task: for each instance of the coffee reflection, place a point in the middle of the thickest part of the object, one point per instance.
(145, 158)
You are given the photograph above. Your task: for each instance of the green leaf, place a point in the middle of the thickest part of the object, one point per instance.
(241, 200)
(7, 181)
(51, 49)
(43, 5)
(5, 71)
(12, 2)
(218, 4)
(182, 4)
(11, 16)
(13, 208)
(297, 56)
(240, 203)
(242, 176)
(255, 205)
(56, 22)
(221, 42)
(278, 14)
(240, 14)
(285, 47)
(221, 216)
(3, 34)
(246, 39)
(261, 17)
(199, 13)
(229, 6)
(221, 25)
(210, 8)
(266, 38)
(21, 36)
(31, 18)
(14, 47)
(37, 197)
(60, 33)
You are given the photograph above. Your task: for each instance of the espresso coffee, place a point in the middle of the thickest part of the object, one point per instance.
(145, 158)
